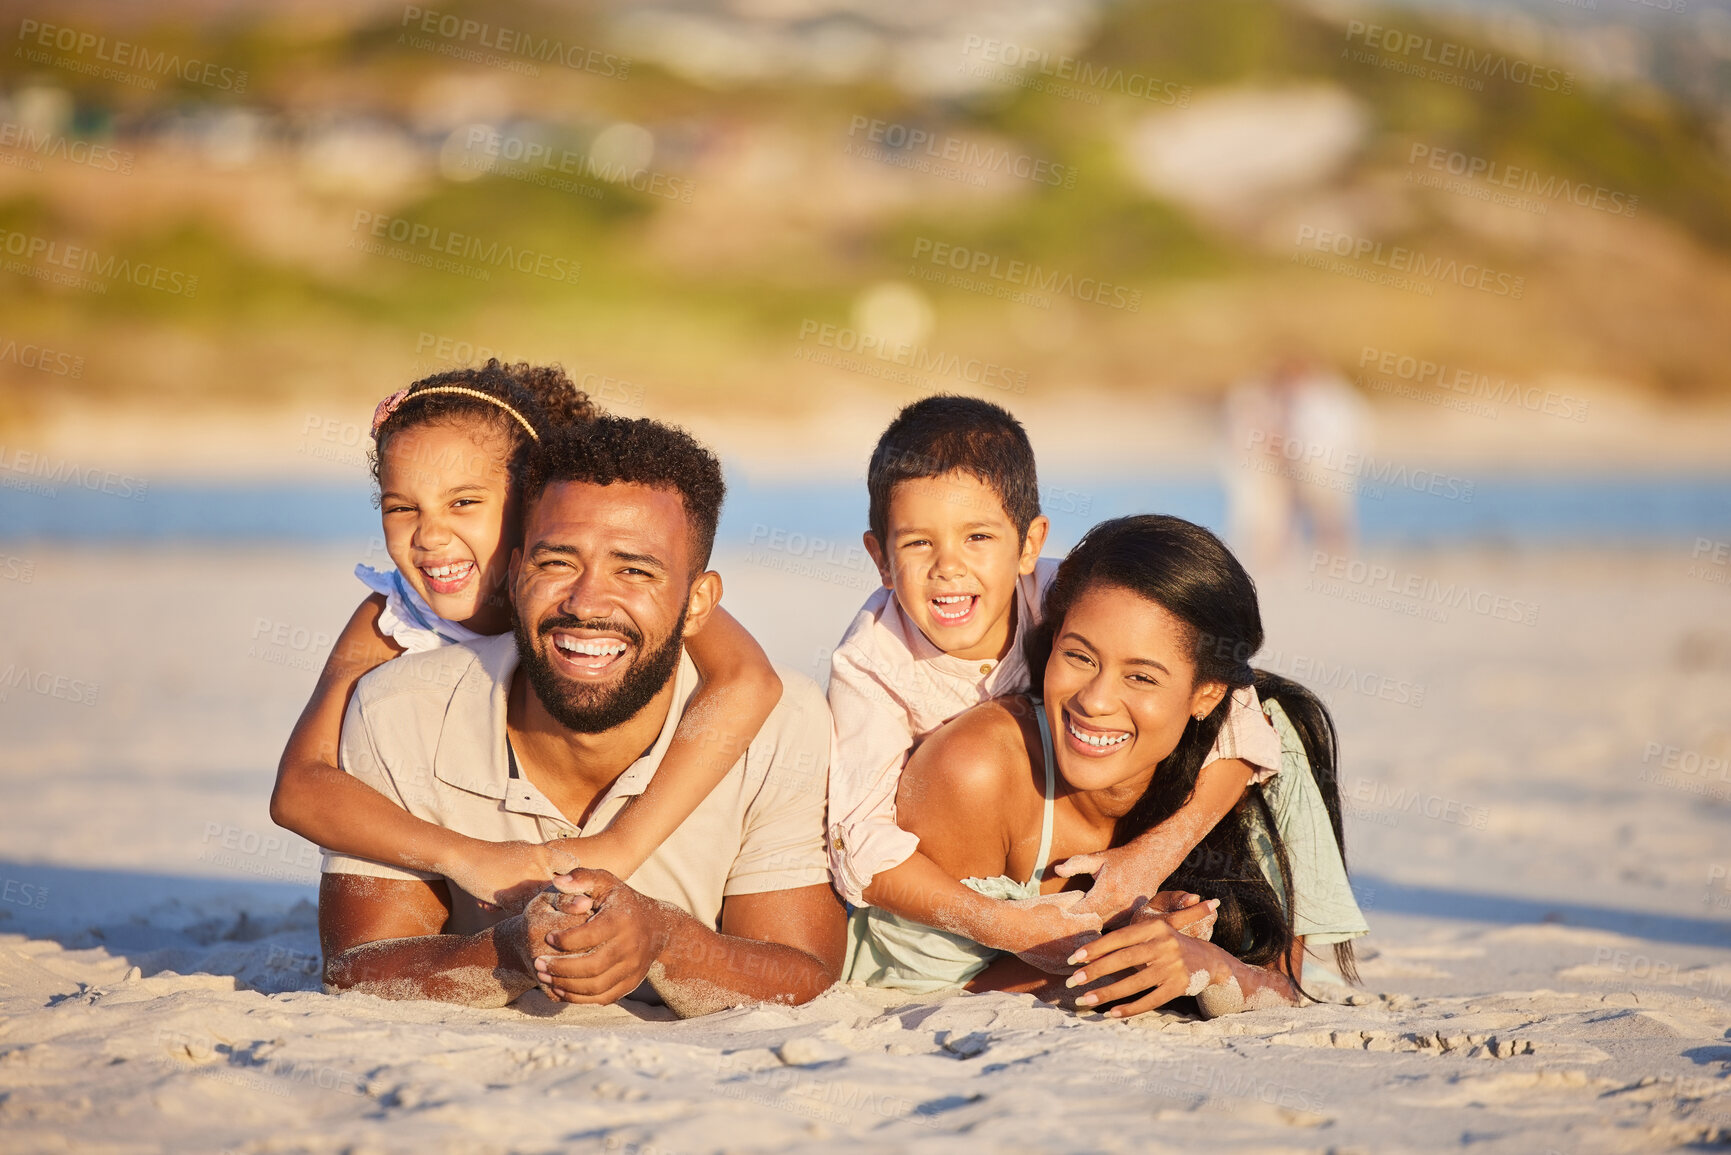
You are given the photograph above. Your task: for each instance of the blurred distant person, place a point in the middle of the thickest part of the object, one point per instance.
(1295, 437)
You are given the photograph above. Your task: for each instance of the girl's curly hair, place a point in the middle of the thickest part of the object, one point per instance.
(542, 394)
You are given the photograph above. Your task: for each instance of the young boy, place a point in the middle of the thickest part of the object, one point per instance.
(956, 533)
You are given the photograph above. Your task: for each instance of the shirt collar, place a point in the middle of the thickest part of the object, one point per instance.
(471, 750)
(636, 777)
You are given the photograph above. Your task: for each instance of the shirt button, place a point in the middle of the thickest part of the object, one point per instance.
(838, 842)
(985, 667)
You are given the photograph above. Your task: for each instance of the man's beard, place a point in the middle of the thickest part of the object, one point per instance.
(596, 709)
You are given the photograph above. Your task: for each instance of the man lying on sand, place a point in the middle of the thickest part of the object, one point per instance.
(549, 733)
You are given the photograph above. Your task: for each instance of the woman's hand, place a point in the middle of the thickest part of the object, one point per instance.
(1159, 959)
(1046, 931)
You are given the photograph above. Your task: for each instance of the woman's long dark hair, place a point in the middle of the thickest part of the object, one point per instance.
(1189, 572)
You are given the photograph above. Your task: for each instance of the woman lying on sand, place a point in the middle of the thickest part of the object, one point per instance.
(1148, 627)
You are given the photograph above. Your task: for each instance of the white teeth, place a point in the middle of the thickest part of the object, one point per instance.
(1101, 741)
(442, 572)
(959, 602)
(596, 648)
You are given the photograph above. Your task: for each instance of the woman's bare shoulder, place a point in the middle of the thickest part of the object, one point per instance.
(980, 752)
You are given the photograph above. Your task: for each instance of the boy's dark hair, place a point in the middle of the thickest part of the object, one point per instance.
(637, 451)
(939, 434)
(1185, 569)
(544, 396)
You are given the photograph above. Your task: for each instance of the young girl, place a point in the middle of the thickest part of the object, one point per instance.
(448, 453)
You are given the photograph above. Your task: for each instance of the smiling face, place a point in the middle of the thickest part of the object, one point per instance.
(1120, 688)
(445, 501)
(953, 557)
(604, 595)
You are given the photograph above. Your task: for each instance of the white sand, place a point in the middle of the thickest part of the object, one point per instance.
(1549, 968)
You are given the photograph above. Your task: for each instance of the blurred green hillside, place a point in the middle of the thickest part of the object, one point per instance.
(756, 219)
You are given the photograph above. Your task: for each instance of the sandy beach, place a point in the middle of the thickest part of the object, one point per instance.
(1536, 829)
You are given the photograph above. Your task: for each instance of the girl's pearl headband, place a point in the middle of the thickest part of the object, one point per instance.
(389, 406)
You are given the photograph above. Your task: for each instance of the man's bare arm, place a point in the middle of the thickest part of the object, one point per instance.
(781, 946)
(381, 936)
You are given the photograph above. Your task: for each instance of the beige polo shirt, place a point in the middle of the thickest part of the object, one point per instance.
(427, 730)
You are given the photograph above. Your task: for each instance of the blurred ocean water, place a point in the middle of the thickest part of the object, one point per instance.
(824, 519)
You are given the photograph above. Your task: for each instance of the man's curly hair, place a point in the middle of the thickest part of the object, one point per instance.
(638, 451)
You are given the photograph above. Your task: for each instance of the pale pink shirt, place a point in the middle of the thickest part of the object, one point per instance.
(889, 686)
